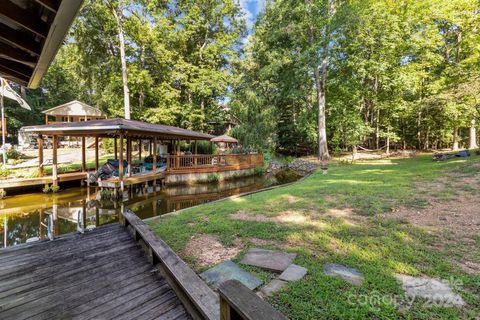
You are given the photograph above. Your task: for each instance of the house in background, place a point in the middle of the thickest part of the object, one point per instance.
(73, 111)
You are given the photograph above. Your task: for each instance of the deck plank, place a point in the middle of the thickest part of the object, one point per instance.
(100, 274)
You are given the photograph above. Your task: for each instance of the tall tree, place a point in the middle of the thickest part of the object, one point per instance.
(117, 9)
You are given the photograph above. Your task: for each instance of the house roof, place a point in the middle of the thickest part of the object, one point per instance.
(31, 32)
(224, 138)
(74, 108)
(113, 127)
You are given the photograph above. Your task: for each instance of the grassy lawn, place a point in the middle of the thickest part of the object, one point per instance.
(347, 217)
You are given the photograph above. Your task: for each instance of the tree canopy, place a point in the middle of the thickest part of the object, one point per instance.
(375, 73)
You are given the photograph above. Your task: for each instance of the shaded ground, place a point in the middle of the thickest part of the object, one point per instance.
(382, 217)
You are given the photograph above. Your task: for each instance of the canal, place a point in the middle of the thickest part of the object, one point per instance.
(38, 216)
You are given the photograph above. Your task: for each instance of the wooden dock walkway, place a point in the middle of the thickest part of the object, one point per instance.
(117, 271)
(102, 274)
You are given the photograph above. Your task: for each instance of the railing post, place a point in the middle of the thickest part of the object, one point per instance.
(154, 165)
(54, 158)
(40, 155)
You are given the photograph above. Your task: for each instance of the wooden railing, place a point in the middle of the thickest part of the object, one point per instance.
(212, 163)
(199, 300)
(237, 302)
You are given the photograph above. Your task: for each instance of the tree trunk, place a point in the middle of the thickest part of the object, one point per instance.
(354, 153)
(320, 75)
(126, 97)
(377, 130)
(141, 95)
(388, 140)
(473, 136)
(455, 139)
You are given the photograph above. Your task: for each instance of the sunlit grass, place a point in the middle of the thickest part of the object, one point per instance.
(362, 238)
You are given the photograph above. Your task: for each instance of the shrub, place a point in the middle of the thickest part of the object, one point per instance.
(14, 154)
(54, 188)
(260, 170)
(46, 189)
(4, 172)
(213, 177)
(3, 193)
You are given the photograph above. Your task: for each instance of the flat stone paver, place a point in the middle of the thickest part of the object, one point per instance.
(431, 289)
(293, 273)
(272, 287)
(350, 275)
(229, 270)
(276, 261)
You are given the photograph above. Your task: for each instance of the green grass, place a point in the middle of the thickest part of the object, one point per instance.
(378, 246)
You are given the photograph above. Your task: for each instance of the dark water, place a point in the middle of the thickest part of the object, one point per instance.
(36, 216)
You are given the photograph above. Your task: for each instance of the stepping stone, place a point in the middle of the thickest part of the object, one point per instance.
(350, 275)
(229, 270)
(272, 287)
(293, 273)
(275, 261)
(431, 289)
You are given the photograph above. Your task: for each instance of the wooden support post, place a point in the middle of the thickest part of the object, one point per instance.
(46, 119)
(115, 150)
(41, 224)
(96, 153)
(196, 152)
(84, 156)
(129, 156)
(54, 159)
(154, 165)
(97, 216)
(177, 154)
(140, 150)
(40, 155)
(120, 163)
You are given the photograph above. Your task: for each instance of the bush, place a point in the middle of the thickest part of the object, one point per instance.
(54, 188)
(46, 189)
(213, 177)
(4, 172)
(3, 193)
(14, 154)
(260, 170)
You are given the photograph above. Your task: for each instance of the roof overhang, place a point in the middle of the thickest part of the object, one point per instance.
(114, 127)
(31, 32)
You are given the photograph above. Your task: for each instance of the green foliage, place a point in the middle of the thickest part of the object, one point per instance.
(4, 171)
(213, 178)
(403, 73)
(54, 188)
(14, 154)
(260, 170)
(3, 193)
(46, 189)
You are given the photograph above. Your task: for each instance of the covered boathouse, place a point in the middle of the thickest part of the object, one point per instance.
(165, 161)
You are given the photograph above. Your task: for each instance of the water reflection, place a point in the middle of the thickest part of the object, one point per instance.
(38, 216)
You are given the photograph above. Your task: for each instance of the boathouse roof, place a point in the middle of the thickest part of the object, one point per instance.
(113, 127)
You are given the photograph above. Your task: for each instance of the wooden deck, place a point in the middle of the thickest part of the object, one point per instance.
(136, 179)
(102, 274)
(40, 181)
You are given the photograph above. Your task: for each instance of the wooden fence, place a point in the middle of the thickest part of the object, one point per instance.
(213, 163)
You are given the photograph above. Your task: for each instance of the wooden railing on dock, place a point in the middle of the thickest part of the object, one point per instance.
(236, 301)
(211, 163)
(198, 299)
